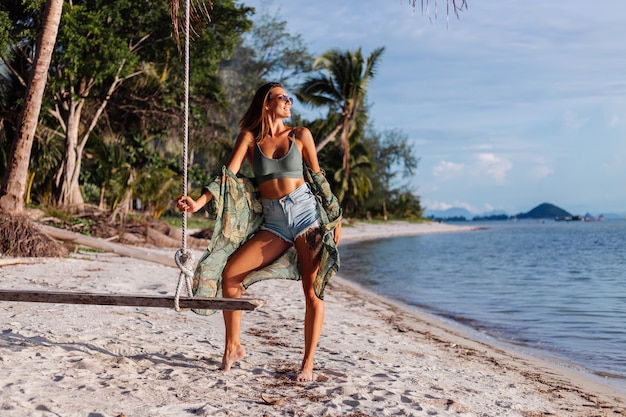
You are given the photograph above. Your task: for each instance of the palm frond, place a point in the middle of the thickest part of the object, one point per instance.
(198, 17)
(457, 6)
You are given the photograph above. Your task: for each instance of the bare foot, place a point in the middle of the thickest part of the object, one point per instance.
(231, 356)
(305, 376)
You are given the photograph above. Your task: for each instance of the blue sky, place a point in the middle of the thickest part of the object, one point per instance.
(514, 104)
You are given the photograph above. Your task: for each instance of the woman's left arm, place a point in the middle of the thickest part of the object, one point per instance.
(309, 154)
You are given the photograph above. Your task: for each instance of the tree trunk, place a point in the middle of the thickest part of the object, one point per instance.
(102, 203)
(385, 210)
(67, 191)
(67, 187)
(330, 137)
(345, 146)
(15, 181)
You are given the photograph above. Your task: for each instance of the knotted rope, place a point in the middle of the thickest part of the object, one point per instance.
(185, 261)
(184, 257)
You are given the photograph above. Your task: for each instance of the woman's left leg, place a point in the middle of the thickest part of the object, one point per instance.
(308, 247)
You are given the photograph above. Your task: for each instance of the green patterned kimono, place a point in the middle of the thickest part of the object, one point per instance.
(239, 214)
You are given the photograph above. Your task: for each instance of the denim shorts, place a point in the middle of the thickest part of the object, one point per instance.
(292, 215)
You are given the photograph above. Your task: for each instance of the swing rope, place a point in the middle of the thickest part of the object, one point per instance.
(184, 257)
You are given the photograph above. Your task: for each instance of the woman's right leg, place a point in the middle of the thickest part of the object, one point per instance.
(258, 252)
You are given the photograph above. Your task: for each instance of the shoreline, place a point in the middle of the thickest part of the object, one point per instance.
(361, 231)
(376, 356)
(458, 333)
(397, 229)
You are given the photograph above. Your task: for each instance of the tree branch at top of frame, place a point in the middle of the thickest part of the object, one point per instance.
(457, 6)
(198, 16)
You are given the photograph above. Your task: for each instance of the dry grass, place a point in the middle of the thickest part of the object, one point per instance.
(19, 237)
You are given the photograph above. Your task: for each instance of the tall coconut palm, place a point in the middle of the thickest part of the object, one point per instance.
(16, 177)
(342, 87)
(353, 189)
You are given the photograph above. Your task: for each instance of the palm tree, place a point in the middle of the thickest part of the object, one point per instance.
(353, 189)
(342, 88)
(16, 177)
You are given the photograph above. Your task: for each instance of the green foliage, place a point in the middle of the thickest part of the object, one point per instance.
(66, 217)
(195, 221)
(341, 88)
(121, 51)
(270, 52)
(280, 55)
(131, 165)
(392, 157)
(405, 205)
(46, 156)
(364, 181)
(136, 144)
(342, 84)
(5, 29)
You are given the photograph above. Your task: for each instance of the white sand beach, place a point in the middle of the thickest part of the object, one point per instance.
(375, 358)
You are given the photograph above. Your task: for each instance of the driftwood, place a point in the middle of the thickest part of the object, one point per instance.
(20, 261)
(106, 246)
(160, 239)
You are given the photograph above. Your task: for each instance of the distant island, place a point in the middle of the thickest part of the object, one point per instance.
(544, 211)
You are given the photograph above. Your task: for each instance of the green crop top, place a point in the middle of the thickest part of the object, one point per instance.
(289, 166)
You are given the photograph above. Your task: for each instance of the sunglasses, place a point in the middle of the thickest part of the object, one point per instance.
(284, 98)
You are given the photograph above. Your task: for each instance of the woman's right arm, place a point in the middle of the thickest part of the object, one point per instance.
(241, 151)
(188, 204)
(239, 154)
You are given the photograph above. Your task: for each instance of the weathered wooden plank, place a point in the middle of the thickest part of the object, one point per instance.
(129, 300)
(119, 249)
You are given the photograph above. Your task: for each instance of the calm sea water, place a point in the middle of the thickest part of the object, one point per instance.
(552, 287)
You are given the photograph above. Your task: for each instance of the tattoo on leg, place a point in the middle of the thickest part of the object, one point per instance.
(314, 240)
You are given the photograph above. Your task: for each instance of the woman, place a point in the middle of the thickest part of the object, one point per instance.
(290, 213)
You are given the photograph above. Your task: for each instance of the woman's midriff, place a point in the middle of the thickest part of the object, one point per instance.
(279, 187)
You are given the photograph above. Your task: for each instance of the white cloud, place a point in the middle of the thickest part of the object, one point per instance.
(573, 121)
(539, 172)
(614, 121)
(447, 170)
(493, 166)
(436, 205)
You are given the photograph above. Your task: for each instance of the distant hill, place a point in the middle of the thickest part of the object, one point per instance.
(542, 211)
(614, 216)
(451, 213)
(545, 211)
(494, 213)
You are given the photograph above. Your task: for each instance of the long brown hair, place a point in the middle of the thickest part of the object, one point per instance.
(255, 119)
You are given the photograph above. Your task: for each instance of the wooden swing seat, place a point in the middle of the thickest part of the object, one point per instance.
(130, 300)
